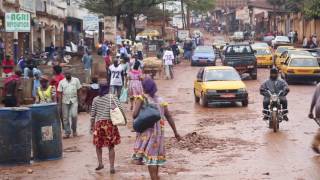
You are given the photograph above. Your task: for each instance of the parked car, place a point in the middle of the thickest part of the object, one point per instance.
(242, 58)
(238, 36)
(267, 39)
(280, 41)
(301, 68)
(203, 55)
(219, 84)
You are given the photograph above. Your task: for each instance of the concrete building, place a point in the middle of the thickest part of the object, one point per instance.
(49, 24)
(230, 3)
(16, 43)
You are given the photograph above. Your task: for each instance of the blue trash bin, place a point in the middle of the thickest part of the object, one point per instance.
(15, 135)
(46, 127)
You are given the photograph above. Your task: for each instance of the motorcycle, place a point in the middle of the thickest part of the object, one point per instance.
(275, 113)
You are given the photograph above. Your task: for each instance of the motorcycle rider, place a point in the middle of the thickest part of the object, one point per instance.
(315, 114)
(274, 85)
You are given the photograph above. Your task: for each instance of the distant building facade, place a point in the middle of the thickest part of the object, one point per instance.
(230, 3)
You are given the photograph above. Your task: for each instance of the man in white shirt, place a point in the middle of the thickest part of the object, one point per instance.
(168, 58)
(116, 78)
(68, 94)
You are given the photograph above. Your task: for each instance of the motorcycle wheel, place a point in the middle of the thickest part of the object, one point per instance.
(275, 122)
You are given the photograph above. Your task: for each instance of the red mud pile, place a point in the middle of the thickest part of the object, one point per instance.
(197, 143)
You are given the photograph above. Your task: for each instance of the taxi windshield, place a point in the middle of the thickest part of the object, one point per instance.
(222, 75)
(263, 52)
(307, 62)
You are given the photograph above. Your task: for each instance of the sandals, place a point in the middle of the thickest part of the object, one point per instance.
(112, 171)
(99, 167)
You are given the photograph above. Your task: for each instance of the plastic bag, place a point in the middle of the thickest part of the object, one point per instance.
(124, 95)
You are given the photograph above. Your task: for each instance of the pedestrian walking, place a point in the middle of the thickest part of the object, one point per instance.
(57, 76)
(135, 86)
(36, 85)
(314, 41)
(8, 66)
(1, 50)
(188, 46)
(176, 52)
(11, 95)
(45, 93)
(315, 114)
(168, 59)
(107, 61)
(105, 134)
(31, 68)
(305, 42)
(68, 93)
(52, 50)
(116, 78)
(87, 63)
(149, 148)
(21, 63)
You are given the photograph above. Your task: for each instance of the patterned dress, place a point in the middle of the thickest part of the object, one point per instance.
(149, 146)
(105, 133)
(135, 86)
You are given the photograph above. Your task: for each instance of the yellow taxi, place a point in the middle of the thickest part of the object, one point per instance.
(264, 56)
(279, 52)
(286, 54)
(301, 68)
(219, 84)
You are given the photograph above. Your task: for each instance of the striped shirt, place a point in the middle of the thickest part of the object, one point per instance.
(101, 106)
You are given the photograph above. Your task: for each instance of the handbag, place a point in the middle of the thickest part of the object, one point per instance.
(149, 114)
(117, 117)
(124, 95)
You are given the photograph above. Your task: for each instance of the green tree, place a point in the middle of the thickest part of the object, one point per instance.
(125, 9)
(311, 9)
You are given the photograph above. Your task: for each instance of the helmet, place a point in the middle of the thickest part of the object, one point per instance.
(274, 70)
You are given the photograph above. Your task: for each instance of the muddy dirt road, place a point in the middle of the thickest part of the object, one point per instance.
(225, 141)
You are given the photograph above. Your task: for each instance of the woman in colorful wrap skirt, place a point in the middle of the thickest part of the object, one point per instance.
(105, 134)
(149, 146)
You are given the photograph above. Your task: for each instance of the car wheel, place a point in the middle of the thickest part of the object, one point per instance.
(196, 99)
(245, 103)
(203, 101)
(192, 63)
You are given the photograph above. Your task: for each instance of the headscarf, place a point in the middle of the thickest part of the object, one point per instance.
(103, 89)
(149, 87)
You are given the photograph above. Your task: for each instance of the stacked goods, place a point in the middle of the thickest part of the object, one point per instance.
(152, 62)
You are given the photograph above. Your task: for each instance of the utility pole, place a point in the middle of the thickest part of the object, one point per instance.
(164, 19)
(183, 15)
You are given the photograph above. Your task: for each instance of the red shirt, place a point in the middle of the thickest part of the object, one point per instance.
(8, 70)
(56, 79)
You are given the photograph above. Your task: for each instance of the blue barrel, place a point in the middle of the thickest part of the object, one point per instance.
(46, 127)
(15, 135)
